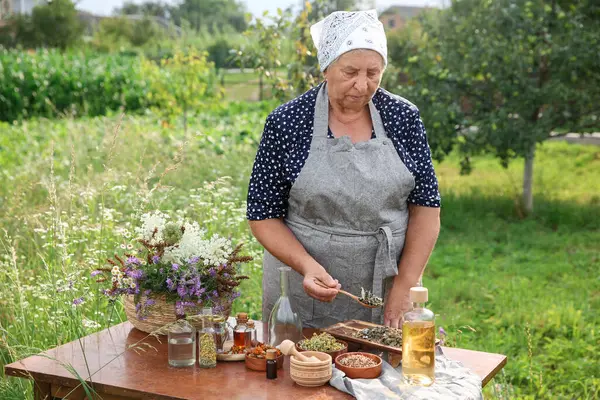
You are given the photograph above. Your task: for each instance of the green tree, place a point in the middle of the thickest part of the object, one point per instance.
(211, 14)
(56, 24)
(520, 70)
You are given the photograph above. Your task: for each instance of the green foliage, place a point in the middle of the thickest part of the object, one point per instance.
(50, 84)
(181, 84)
(210, 13)
(267, 46)
(117, 33)
(54, 25)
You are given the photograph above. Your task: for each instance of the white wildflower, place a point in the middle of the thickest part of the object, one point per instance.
(150, 222)
(88, 323)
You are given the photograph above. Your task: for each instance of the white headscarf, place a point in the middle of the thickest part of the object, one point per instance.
(343, 31)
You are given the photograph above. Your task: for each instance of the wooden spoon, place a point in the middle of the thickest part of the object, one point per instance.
(288, 348)
(356, 298)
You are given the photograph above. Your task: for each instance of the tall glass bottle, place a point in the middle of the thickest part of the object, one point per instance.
(207, 347)
(418, 341)
(284, 323)
(182, 344)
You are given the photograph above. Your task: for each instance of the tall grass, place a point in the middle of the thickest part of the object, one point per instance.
(72, 190)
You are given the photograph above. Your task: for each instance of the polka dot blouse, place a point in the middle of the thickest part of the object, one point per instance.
(286, 140)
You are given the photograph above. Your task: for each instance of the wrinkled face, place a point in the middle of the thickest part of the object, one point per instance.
(354, 77)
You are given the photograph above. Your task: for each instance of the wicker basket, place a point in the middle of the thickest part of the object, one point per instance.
(161, 313)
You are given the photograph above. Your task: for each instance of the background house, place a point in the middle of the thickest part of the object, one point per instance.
(395, 17)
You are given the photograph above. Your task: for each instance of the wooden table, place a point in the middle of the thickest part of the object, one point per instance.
(118, 373)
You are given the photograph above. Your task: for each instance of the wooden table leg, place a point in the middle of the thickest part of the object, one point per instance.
(41, 391)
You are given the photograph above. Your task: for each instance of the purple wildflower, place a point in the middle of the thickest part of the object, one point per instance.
(96, 272)
(135, 273)
(133, 260)
(235, 295)
(442, 331)
(150, 302)
(194, 260)
(147, 292)
(155, 259)
(215, 293)
(78, 301)
(181, 291)
(161, 270)
(170, 284)
(212, 271)
(175, 267)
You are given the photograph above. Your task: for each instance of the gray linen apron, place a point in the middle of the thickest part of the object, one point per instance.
(348, 209)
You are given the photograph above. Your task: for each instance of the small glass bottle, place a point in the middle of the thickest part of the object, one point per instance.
(221, 333)
(241, 332)
(207, 348)
(271, 364)
(182, 344)
(284, 323)
(418, 341)
(252, 334)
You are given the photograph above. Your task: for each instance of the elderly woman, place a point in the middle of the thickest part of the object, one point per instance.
(343, 189)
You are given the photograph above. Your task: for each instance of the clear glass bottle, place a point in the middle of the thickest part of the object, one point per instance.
(207, 347)
(418, 341)
(220, 332)
(284, 323)
(252, 334)
(182, 344)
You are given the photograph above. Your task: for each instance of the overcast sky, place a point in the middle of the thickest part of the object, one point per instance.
(256, 7)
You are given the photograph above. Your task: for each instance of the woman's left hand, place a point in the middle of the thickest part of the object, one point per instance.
(397, 303)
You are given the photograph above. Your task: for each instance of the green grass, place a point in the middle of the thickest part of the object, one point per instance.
(71, 191)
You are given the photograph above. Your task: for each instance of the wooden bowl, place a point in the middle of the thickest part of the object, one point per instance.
(311, 374)
(333, 354)
(360, 373)
(260, 364)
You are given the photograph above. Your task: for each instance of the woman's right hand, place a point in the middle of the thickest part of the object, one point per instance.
(318, 292)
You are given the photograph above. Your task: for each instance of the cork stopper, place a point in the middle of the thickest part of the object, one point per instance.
(242, 317)
(418, 294)
(271, 354)
(250, 324)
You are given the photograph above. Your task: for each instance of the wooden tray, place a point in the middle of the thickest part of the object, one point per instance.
(343, 330)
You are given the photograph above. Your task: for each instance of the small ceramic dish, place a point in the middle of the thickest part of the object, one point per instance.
(226, 356)
(311, 374)
(357, 372)
(333, 354)
(260, 364)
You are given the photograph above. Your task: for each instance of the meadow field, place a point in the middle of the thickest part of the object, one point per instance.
(72, 191)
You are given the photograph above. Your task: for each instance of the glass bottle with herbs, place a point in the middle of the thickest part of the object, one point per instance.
(207, 347)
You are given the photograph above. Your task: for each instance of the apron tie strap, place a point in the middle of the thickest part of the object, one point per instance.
(385, 264)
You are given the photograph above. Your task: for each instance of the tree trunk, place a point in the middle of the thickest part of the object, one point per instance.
(528, 181)
(260, 87)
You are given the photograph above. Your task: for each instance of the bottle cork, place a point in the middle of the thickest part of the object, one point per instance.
(271, 354)
(418, 294)
(242, 317)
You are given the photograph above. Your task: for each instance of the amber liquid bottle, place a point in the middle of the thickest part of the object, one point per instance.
(241, 332)
(418, 341)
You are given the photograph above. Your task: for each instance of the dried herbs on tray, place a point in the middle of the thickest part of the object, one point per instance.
(321, 342)
(382, 335)
(369, 298)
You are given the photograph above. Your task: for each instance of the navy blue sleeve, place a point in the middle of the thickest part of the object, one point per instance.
(426, 192)
(268, 190)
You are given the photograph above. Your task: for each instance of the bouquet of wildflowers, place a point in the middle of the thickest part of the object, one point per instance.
(175, 259)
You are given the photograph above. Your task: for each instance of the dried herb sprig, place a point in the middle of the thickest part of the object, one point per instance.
(382, 335)
(321, 342)
(369, 298)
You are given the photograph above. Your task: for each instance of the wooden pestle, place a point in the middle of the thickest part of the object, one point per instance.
(288, 348)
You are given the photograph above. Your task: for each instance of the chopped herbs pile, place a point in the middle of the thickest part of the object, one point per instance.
(357, 361)
(382, 335)
(323, 342)
(369, 298)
